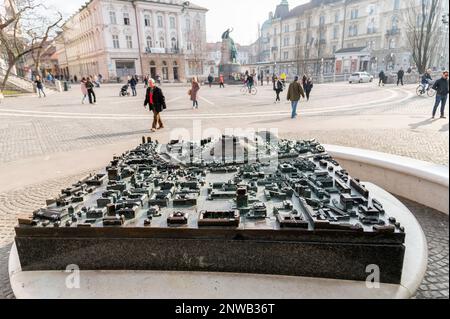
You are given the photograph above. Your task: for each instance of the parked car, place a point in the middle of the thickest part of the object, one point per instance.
(360, 77)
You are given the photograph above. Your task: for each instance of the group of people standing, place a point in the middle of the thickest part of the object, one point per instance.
(221, 81)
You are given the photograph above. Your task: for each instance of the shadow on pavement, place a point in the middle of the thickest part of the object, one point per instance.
(423, 123)
(112, 135)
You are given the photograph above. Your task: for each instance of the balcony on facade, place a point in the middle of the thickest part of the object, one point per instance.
(163, 51)
(392, 32)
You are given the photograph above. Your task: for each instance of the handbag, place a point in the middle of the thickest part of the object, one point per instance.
(190, 92)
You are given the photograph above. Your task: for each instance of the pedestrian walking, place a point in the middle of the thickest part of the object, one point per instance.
(156, 102)
(221, 81)
(304, 80)
(210, 80)
(278, 88)
(40, 86)
(90, 90)
(295, 91)
(400, 76)
(84, 90)
(308, 87)
(382, 78)
(262, 78)
(133, 83)
(441, 88)
(268, 80)
(146, 81)
(193, 92)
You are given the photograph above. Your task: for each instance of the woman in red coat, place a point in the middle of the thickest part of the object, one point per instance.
(193, 93)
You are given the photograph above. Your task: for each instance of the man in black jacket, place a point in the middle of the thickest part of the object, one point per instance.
(441, 88)
(400, 75)
(156, 102)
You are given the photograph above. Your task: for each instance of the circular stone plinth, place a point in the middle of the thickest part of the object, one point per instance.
(197, 285)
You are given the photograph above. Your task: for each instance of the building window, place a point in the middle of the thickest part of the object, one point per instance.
(149, 42)
(336, 33)
(189, 46)
(286, 28)
(126, 18)
(162, 42)
(112, 17)
(286, 42)
(160, 22)
(116, 42)
(198, 25)
(322, 20)
(147, 20)
(392, 44)
(336, 17)
(396, 4)
(188, 25)
(286, 55)
(129, 40)
(173, 43)
(354, 14)
(173, 24)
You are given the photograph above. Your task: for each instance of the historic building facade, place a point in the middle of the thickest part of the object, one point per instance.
(118, 38)
(325, 37)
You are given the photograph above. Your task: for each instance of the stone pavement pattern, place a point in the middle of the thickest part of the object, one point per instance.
(392, 120)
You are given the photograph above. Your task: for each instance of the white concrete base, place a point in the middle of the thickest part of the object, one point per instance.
(190, 285)
(422, 182)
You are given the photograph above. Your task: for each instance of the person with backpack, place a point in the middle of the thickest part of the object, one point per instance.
(278, 88)
(156, 102)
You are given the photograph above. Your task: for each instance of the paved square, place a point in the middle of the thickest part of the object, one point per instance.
(45, 144)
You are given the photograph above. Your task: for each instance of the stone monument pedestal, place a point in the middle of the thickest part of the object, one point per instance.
(227, 66)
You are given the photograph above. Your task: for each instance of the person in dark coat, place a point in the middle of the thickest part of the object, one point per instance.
(90, 90)
(382, 77)
(400, 76)
(194, 92)
(210, 80)
(132, 82)
(441, 88)
(278, 88)
(308, 88)
(156, 102)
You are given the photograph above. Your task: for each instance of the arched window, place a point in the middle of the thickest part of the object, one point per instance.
(162, 42)
(392, 44)
(152, 63)
(394, 23)
(149, 42)
(173, 43)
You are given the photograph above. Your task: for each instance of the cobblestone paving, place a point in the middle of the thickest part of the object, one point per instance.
(23, 202)
(61, 130)
(435, 226)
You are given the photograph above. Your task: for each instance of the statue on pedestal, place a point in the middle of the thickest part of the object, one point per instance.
(228, 47)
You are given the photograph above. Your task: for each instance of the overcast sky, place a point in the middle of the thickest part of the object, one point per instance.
(242, 15)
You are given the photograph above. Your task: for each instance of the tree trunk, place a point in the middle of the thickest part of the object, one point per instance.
(5, 80)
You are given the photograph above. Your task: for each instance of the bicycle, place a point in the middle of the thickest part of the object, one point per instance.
(245, 90)
(429, 91)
